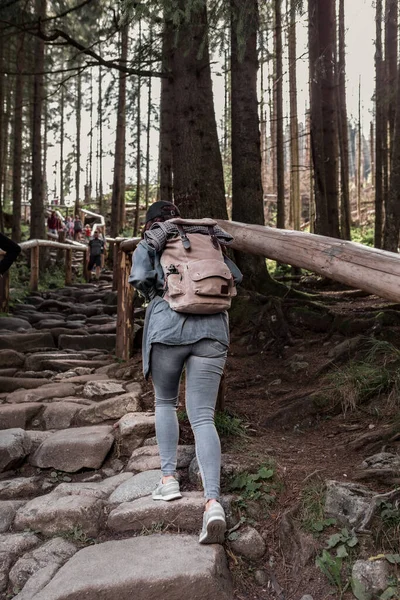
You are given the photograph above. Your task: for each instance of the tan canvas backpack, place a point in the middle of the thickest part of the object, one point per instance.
(197, 279)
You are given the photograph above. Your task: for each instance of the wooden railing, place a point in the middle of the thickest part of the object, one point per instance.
(374, 271)
(33, 246)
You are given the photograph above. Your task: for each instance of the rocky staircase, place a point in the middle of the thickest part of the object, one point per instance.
(78, 462)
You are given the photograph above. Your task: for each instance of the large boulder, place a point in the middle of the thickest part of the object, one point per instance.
(52, 514)
(371, 576)
(73, 449)
(143, 568)
(347, 502)
(15, 445)
(248, 543)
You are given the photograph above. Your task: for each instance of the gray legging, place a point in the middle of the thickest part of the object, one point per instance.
(204, 362)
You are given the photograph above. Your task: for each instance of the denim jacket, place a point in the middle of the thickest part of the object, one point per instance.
(164, 325)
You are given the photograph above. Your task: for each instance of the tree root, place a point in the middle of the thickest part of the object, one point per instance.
(369, 515)
(375, 439)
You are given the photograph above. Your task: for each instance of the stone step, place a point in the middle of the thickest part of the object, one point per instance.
(144, 568)
(10, 384)
(97, 340)
(185, 514)
(73, 449)
(26, 342)
(49, 392)
(18, 415)
(37, 360)
(13, 324)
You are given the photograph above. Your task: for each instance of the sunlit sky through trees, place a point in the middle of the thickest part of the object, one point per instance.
(360, 48)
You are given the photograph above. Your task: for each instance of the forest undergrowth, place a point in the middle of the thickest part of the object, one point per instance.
(312, 390)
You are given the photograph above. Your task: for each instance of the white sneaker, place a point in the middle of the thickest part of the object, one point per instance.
(167, 491)
(214, 525)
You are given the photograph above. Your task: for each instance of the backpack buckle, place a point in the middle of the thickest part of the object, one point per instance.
(184, 239)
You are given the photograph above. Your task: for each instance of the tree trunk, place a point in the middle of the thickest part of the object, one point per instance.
(2, 85)
(391, 19)
(78, 110)
(247, 193)
(379, 128)
(295, 199)
(149, 89)
(62, 133)
(321, 25)
(198, 174)
(37, 229)
(278, 102)
(166, 115)
(17, 159)
(392, 221)
(345, 213)
(138, 140)
(100, 141)
(118, 192)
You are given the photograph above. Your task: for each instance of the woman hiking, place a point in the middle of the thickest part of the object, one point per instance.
(173, 341)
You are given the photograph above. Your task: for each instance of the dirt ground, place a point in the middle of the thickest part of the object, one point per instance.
(303, 447)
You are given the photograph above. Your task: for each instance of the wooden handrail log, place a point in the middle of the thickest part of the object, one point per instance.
(130, 244)
(374, 271)
(49, 243)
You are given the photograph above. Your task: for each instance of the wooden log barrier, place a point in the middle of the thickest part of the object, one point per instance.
(68, 267)
(374, 271)
(34, 278)
(4, 292)
(125, 322)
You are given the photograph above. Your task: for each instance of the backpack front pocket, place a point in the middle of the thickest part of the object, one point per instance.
(210, 278)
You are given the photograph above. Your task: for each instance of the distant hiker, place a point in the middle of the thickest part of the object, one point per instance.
(96, 248)
(191, 339)
(53, 223)
(12, 250)
(69, 225)
(78, 226)
(88, 232)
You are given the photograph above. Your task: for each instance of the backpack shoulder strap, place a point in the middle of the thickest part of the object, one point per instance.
(184, 238)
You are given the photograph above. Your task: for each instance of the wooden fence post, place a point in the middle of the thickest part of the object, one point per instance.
(34, 280)
(4, 292)
(115, 252)
(68, 267)
(60, 253)
(124, 341)
(85, 271)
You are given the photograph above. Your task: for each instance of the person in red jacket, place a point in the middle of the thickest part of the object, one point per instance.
(53, 223)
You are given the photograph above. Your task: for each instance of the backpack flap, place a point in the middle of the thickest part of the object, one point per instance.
(210, 278)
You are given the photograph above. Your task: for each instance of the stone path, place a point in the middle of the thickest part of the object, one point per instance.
(76, 515)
